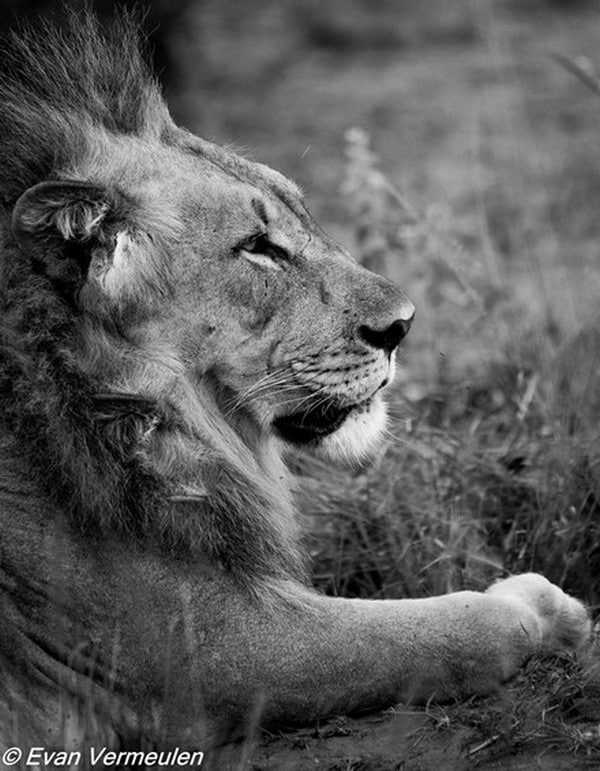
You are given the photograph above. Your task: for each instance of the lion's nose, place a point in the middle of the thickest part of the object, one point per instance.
(389, 338)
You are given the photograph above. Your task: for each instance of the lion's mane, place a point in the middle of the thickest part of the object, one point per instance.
(58, 89)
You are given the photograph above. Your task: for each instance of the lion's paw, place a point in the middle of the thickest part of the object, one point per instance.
(565, 623)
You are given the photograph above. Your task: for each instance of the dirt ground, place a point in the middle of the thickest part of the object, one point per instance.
(396, 741)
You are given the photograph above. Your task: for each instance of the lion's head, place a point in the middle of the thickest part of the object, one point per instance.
(189, 277)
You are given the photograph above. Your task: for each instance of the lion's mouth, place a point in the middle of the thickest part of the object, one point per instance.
(313, 423)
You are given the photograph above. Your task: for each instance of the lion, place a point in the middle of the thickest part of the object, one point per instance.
(174, 322)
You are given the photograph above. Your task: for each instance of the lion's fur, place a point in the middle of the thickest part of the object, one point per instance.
(172, 318)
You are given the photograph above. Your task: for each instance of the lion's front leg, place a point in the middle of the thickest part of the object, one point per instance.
(310, 656)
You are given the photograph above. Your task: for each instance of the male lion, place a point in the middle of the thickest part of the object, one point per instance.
(173, 319)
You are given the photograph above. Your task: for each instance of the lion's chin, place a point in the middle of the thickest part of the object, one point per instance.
(342, 437)
(358, 436)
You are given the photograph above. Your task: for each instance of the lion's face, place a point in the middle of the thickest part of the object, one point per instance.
(245, 291)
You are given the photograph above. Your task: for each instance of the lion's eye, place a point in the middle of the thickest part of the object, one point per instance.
(259, 250)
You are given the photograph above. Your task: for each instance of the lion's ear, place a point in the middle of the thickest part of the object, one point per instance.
(58, 224)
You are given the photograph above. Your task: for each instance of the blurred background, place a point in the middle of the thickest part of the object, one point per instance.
(454, 146)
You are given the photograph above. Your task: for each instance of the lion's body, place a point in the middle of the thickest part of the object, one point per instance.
(172, 319)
